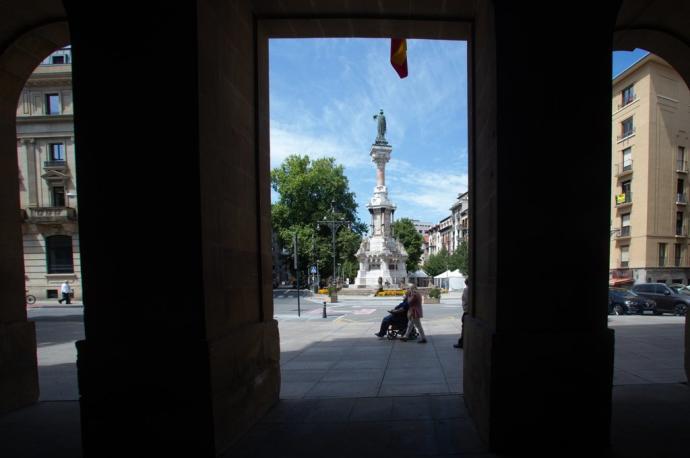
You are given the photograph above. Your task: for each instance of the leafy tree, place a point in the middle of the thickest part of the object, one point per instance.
(306, 189)
(406, 233)
(437, 263)
(460, 259)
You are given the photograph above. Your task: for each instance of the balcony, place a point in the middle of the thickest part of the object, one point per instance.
(623, 199)
(55, 165)
(623, 232)
(49, 215)
(681, 199)
(627, 101)
(626, 134)
(624, 169)
(681, 166)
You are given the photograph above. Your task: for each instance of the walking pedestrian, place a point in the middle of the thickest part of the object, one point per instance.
(66, 292)
(414, 315)
(465, 309)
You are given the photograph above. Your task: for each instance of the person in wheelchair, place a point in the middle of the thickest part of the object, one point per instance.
(396, 321)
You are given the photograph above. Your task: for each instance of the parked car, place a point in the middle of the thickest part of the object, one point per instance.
(666, 298)
(680, 288)
(624, 302)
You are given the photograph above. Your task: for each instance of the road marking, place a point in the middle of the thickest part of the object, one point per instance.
(363, 311)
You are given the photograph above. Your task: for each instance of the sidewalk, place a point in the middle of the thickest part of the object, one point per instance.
(53, 303)
(343, 358)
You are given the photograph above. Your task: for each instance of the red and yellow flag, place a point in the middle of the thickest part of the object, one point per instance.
(399, 56)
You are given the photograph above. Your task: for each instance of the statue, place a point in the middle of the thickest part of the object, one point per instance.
(381, 128)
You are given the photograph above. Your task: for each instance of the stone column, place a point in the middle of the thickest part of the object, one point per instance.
(537, 374)
(185, 357)
(29, 145)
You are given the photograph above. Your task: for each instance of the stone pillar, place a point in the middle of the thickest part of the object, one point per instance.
(538, 369)
(184, 357)
(31, 171)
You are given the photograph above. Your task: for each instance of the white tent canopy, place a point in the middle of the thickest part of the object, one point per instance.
(419, 274)
(450, 280)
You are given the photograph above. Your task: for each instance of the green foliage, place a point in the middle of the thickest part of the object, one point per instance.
(306, 189)
(460, 259)
(435, 293)
(406, 233)
(442, 261)
(437, 263)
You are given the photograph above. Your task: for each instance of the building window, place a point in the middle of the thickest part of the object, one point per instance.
(625, 256)
(627, 159)
(52, 104)
(678, 254)
(627, 95)
(59, 254)
(680, 191)
(679, 223)
(60, 59)
(625, 225)
(58, 196)
(662, 254)
(627, 128)
(680, 161)
(57, 151)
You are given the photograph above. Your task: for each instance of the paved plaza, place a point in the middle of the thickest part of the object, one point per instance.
(346, 393)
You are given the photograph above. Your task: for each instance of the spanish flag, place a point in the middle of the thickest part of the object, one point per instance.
(399, 56)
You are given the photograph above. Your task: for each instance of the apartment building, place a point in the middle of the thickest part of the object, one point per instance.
(47, 178)
(460, 219)
(650, 142)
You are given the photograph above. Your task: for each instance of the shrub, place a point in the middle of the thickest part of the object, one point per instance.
(435, 293)
(323, 291)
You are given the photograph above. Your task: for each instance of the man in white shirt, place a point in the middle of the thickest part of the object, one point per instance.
(66, 292)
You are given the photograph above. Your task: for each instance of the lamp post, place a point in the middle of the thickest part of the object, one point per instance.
(334, 224)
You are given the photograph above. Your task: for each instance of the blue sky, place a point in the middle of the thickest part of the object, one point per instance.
(324, 92)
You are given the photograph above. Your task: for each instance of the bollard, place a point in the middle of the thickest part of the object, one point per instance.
(324, 310)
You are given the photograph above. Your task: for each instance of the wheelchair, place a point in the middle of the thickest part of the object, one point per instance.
(398, 327)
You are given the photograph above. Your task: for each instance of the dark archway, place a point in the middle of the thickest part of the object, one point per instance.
(17, 61)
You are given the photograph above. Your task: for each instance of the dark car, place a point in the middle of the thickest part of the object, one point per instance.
(623, 302)
(666, 298)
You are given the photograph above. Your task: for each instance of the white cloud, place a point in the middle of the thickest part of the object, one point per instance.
(287, 140)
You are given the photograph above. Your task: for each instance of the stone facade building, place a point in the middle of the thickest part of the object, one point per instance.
(47, 178)
(650, 147)
(460, 220)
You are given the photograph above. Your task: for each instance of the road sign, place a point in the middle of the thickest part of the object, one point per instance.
(312, 270)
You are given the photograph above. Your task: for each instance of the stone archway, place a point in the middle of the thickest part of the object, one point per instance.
(674, 49)
(17, 335)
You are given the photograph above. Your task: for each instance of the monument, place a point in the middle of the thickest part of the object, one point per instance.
(381, 257)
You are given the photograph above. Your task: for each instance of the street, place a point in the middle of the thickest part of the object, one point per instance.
(339, 356)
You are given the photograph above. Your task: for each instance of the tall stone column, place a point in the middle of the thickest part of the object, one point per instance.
(538, 370)
(29, 145)
(184, 356)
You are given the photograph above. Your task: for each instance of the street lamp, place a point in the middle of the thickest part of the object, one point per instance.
(334, 224)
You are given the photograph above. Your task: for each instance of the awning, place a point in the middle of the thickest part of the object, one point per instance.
(621, 281)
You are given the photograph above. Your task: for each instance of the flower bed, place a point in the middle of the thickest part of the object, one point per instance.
(390, 292)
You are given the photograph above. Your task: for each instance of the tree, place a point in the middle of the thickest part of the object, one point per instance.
(406, 233)
(460, 259)
(306, 189)
(437, 263)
